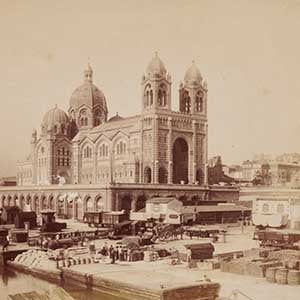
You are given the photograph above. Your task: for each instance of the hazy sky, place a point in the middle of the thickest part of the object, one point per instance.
(248, 52)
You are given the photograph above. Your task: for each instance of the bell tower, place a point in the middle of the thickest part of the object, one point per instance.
(156, 86)
(193, 93)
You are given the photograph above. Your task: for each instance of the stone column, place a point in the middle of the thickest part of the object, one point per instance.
(75, 164)
(110, 199)
(141, 179)
(155, 149)
(50, 159)
(133, 202)
(74, 207)
(170, 152)
(94, 166)
(194, 153)
(205, 146)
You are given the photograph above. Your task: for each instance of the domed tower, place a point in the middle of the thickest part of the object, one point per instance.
(52, 154)
(87, 105)
(156, 86)
(193, 92)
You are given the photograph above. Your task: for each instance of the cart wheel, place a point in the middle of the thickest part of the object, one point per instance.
(168, 235)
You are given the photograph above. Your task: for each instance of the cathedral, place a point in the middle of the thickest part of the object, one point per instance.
(158, 146)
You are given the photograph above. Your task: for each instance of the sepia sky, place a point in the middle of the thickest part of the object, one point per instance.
(248, 52)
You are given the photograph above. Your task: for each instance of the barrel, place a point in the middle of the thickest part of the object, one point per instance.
(270, 274)
(281, 275)
(293, 277)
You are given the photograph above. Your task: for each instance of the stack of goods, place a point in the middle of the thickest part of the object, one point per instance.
(150, 256)
(285, 255)
(35, 259)
(210, 264)
(258, 268)
(251, 267)
(137, 255)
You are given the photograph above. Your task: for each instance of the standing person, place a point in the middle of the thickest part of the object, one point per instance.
(110, 251)
(181, 232)
(92, 249)
(5, 243)
(112, 254)
(125, 253)
(189, 257)
(121, 254)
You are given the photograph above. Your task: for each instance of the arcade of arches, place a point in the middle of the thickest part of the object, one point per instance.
(113, 198)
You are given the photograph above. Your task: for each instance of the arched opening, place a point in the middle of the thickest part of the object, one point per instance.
(200, 176)
(2, 200)
(15, 201)
(99, 205)
(140, 203)
(28, 200)
(126, 203)
(51, 202)
(147, 175)
(9, 200)
(88, 204)
(44, 202)
(36, 206)
(60, 208)
(22, 202)
(162, 175)
(180, 161)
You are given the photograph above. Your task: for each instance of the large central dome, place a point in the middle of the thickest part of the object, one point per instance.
(88, 104)
(88, 94)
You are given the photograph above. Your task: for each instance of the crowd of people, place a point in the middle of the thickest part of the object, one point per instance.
(112, 253)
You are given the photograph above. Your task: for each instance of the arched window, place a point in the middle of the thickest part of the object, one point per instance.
(185, 103)
(147, 175)
(121, 148)
(265, 208)
(151, 97)
(148, 96)
(199, 102)
(87, 152)
(161, 97)
(162, 175)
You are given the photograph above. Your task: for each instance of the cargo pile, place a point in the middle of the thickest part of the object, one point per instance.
(35, 259)
(283, 276)
(282, 267)
(248, 266)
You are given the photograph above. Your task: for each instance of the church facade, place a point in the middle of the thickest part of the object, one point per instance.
(158, 146)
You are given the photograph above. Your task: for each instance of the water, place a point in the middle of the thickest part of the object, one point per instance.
(12, 282)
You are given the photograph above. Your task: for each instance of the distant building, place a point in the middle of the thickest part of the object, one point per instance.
(276, 212)
(217, 172)
(250, 169)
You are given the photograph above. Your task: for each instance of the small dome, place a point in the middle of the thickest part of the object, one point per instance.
(156, 67)
(115, 118)
(54, 117)
(193, 75)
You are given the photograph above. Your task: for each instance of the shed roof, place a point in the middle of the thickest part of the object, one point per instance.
(214, 208)
(159, 200)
